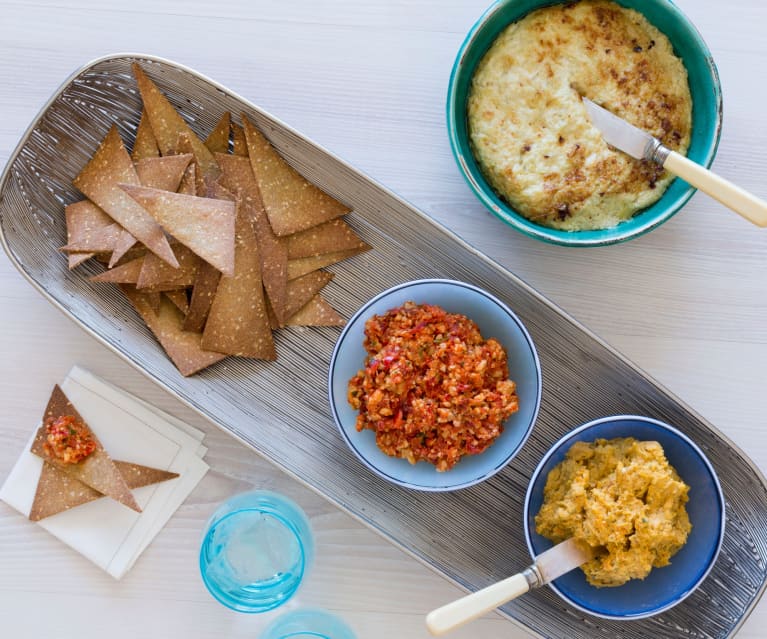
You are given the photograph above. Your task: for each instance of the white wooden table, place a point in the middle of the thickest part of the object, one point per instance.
(367, 80)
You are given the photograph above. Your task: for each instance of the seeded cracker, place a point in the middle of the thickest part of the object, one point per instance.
(156, 275)
(329, 237)
(84, 219)
(179, 299)
(97, 470)
(183, 347)
(167, 124)
(127, 273)
(218, 140)
(111, 165)
(238, 323)
(204, 225)
(145, 144)
(237, 177)
(303, 289)
(99, 241)
(317, 312)
(292, 203)
(57, 491)
(303, 265)
(163, 173)
(239, 143)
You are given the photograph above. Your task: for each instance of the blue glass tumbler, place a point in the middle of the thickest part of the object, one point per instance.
(256, 550)
(308, 623)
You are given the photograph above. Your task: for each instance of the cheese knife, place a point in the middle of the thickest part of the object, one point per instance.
(549, 565)
(641, 145)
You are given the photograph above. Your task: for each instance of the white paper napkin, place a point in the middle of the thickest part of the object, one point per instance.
(108, 533)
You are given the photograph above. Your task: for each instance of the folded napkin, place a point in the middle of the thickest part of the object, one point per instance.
(109, 534)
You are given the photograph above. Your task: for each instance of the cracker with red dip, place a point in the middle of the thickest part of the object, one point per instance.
(67, 442)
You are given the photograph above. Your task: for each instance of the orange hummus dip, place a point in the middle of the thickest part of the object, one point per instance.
(432, 388)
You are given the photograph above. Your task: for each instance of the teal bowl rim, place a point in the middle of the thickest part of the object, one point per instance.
(504, 212)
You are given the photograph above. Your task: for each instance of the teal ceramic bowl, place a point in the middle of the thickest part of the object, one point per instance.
(706, 117)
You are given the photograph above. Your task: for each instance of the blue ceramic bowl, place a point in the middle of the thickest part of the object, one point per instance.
(494, 319)
(663, 587)
(706, 117)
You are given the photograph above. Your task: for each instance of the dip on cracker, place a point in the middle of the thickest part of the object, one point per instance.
(622, 497)
(68, 440)
(432, 388)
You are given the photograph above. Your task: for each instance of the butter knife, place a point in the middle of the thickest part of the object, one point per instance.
(641, 145)
(549, 565)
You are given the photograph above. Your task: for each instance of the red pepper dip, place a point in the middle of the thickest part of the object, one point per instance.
(68, 440)
(432, 388)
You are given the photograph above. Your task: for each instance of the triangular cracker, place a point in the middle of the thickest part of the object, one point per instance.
(57, 491)
(303, 289)
(303, 265)
(335, 235)
(111, 165)
(239, 143)
(156, 274)
(167, 123)
(127, 273)
(183, 347)
(218, 139)
(97, 470)
(204, 225)
(163, 173)
(179, 299)
(145, 145)
(237, 176)
(203, 291)
(237, 323)
(84, 219)
(292, 203)
(316, 312)
(101, 241)
(123, 244)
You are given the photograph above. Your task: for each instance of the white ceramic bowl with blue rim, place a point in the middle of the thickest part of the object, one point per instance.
(494, 319)
(663, 587)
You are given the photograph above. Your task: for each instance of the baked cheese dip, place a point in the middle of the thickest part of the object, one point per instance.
(621, 497)
(531, 134)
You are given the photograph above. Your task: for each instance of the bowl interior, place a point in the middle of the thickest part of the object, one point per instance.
(494, 320)
(663, 587)
(706, 117)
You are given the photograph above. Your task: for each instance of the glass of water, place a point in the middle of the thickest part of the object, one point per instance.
(308, 623)
(256, 550)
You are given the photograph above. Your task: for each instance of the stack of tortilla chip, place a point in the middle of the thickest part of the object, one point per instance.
(215, 250)
(63, 486)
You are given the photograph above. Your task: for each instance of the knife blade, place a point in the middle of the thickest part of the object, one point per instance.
(550, 564)
(639, 144)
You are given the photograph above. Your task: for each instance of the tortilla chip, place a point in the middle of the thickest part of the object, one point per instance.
(167, 123)
(111, 165)
(127, 273)
(145, 145)
(205, 285)
(218, 140)
(239, 143)
(303, 265)
(237, 323)
(57, 491)
(183, 347)
(237, 176)
(123, 244)
(316, 312)
(329, 237)
(179, 299)
(292, 203)
(302, 289)
(204, 225)
(97, 470)
(75, 259)
(156, 274)
(163, 173)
